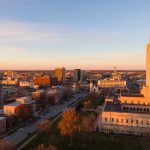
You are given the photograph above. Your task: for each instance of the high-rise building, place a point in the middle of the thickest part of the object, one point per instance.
(77, 75)
(60, 74)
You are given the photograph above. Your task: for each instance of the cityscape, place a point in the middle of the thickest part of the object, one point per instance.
(74, 75)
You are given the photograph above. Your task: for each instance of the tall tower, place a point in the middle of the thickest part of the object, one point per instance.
(148, 64)
(146, 89)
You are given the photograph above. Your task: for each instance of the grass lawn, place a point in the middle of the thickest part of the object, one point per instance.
(97, 142)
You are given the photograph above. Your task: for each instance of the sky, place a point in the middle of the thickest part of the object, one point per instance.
(86, 34)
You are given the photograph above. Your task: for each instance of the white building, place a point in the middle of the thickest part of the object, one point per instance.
(114, 81)
(26, 84)
(128, 114)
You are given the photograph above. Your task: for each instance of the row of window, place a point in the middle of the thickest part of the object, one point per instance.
(127, 121)
(138, 102)
(122, 131)
(136, 109)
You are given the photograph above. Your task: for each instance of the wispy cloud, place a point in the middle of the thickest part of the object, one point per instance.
(35, 32)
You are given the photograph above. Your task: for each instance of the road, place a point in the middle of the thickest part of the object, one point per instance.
(19, 136)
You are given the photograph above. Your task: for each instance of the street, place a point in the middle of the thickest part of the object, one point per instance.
(20, 135)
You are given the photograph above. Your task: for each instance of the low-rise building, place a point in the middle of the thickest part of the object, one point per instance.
(26, 84)
(10, 109)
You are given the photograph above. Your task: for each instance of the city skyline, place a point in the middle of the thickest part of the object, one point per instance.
(82, 34)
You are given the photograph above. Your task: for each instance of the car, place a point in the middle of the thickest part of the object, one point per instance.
(7, 138)
(21, 129)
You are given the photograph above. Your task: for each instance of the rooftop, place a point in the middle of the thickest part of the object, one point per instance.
(113, 106)
(13, 104)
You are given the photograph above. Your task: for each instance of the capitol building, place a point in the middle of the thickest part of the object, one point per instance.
(113, 82)
(128, 114)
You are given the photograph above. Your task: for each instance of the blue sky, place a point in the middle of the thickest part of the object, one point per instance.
(87, 34)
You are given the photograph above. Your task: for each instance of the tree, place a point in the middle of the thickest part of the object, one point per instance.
(88, 104)
(5, 145)
(44, 126)
(86, 126)
(93, 118)
(23, 112)
(70, 123)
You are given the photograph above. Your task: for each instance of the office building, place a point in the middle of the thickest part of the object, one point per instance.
(60, 74)
(77, 75)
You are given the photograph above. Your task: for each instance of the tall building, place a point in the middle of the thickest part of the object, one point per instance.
(128, 114)
(77, 75)
(60, 74)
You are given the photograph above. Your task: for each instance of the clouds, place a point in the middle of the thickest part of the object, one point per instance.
(46, 32)
(32, 44)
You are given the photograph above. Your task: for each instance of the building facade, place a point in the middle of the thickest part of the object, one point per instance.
(114, 81)
(60, 74)
(128, 114)
(77, 75)
(2, 124)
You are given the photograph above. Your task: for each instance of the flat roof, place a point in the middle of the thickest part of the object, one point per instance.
(13, 104)
(116, 107)
(111, 107)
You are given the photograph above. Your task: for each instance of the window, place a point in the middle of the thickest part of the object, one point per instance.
(137, 121)
(117, 120)
(131, 120)
(140, 109)
(142, 122)
(112, 119)
(121, 120)
(147, 122)
(126, 120)
(139, 102)
(133, 109)
(106, 119)
(137, 109)
(130, 108)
